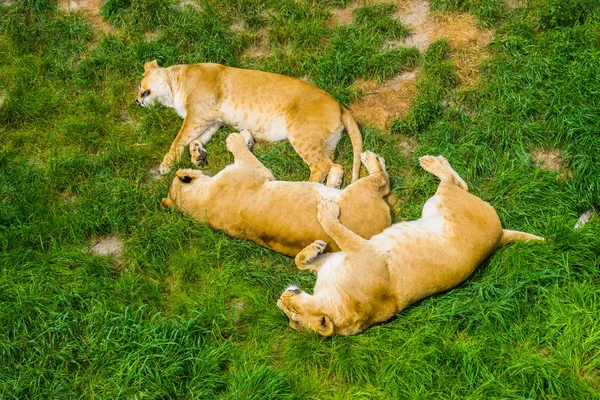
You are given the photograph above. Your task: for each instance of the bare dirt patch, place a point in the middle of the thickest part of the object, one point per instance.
(111, 246)
(380, 103)
(191, 3)
(514, 4)
(551, 159)
(344, 16)
(415, 15)
(259, 47)
(383, 102)
(547, 159)
(468, 41)
(91, 8)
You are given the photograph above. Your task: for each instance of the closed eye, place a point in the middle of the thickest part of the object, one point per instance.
(146, 93)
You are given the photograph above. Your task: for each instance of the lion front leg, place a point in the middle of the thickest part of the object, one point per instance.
(328, 213)
(310, 256)
(197, 151)
(188, 132)
(238, 144)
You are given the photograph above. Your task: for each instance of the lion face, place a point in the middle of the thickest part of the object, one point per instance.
(299, 308)
(153, 87)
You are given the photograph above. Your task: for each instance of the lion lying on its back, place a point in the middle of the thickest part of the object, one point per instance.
(370, 281)
(246, 201)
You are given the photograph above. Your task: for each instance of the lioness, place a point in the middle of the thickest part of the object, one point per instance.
(246, 201)
(272, 107)
(370, 281)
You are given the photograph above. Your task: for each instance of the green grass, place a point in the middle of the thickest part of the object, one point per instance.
(189, 312)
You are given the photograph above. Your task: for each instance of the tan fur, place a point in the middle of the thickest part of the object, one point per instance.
(246, 201)
(272, 107)
(370, 281)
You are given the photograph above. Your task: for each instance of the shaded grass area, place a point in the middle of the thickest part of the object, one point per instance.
(190, 313)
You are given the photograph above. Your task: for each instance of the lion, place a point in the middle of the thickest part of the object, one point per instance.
(272, 107)
(369, 281)
(245, 201)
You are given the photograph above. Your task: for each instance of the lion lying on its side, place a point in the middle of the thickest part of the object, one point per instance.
(246, 201)
(272, 107)
(370, 281)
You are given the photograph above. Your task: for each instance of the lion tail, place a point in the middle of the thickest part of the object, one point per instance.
(356, 139)
(509, 236)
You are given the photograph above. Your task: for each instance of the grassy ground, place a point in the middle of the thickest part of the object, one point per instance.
(187, 312)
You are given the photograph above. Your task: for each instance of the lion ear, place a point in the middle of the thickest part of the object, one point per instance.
(185, 178)
(187, 175)
(150, 65)
(325, 327)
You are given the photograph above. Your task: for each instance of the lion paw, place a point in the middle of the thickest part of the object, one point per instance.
(327, 209)
(248, 138)
(430, 164)
(198, 154)
(235, 139)
(335, 176)
(312, 251)
(373, 162)
(440, 167)
(163, 168)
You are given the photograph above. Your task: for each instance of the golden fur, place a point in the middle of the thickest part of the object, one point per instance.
(246, 201)
(370, 281)
(272, 107)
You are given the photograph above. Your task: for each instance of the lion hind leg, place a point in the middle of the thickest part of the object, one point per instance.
(441, 168)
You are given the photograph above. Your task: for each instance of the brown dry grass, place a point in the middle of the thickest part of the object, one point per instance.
(382, 102)
(343, 16)
(468, 41)
(514, 4)
(551, 159)
(259, 47)
(111, 246)
(91, 8)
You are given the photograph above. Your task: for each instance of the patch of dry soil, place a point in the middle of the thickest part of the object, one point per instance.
(259, 47)
(551, 159)
(469, 43)
(383, 102)
(547, 159)
(514, 4)
(192, 3)
(91, 8)
(107, 246)
(343, 16)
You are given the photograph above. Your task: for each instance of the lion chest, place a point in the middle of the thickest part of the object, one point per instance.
(330, 273)
(179, 105)
(263, 121)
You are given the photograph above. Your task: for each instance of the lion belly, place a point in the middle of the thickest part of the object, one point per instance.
(270, 127)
